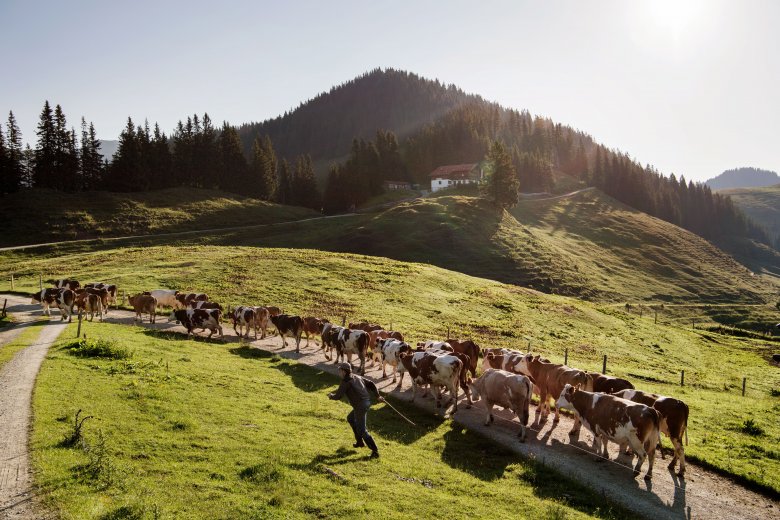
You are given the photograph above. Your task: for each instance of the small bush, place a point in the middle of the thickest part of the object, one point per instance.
(74, 436)
(100, 468)
(100, 348)
(751, 428)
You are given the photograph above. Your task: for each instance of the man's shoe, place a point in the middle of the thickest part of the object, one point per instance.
(374, 455)
(358, 445)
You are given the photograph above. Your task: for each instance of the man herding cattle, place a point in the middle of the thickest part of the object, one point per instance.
(357, 389)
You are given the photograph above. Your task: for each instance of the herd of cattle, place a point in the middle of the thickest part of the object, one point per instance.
(610, 407)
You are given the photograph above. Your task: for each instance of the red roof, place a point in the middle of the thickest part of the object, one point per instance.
(453, 170)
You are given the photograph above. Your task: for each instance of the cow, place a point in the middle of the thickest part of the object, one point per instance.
(507, 390)
(464, 380)
(312, 326)
(436, 345)
(468, 348)
(102, 293)
(166, 298)
(261, 320)
(289, 324)
(609, 384)
(184, 299)
(198, 319)
(550, 378)
(93, 304)
(365, 326)
(375, 339)
(674, 420)
(329, 336)
(390, 351)
(142, 303)
(46, 298)
(243, 317)
(66, 283)
(395, 335)
(199, 304)
(274, 311)
(351, 342)
(111, 288)
(428, 368)
(611, 418)
(501, 358)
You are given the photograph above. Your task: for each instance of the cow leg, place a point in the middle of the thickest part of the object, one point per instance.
(298, 342)
(575, 429)
(362, 357)
(679, 454)
(284, 340)
(489, 409)
(639, 449)
(650, 447)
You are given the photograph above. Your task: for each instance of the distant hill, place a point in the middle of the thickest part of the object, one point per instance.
(762, 205)
(743, 178)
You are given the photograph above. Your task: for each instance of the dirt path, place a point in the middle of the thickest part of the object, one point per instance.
(17, 379)
(702, 494)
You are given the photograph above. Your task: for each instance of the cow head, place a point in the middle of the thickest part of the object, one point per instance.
(473, 389)
(566, 397)
(36, 297)
(524, 364)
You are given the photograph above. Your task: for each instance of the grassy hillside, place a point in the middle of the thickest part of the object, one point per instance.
(760, 204)
(423, 301)
(187, 429)
(35, 216)
(586, 245)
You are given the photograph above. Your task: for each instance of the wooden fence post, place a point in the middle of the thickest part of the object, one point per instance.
(693, 323)
(640, 311)
(3, 314)
(682, 378)
(123, 297)
(448, 332)
(40, 282)
(12, 282)
(744, 382)
(78, 332)
(604, 365)
(656, 317)
(566, 356)
(344, 321)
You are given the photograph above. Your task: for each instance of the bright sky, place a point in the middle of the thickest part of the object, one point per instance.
(692, 87)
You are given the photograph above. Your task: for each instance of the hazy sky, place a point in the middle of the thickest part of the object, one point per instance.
(692, 87)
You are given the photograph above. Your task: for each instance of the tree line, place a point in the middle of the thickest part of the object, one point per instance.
(197, 154)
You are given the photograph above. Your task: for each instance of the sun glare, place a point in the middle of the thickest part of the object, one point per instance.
(673, 18)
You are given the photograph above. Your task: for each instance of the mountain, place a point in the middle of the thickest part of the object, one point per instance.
(743, 178)
(325, 126)
(760, 204)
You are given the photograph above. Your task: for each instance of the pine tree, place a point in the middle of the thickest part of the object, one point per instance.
(304, 185)
(232, 172)
(15, 154)
(284, 185)
(44, 164)
(91, 158)
(65, 158)
(270, 168)
(128, 170)
(5, 166)
(160, 161)
(503, 186)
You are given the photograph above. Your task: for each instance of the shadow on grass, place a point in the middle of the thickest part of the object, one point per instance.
(304, 377)
(385, 422)
(171, 335)
(248, 352)
(468, 451)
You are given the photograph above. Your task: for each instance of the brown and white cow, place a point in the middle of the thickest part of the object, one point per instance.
(93, 304)
(329, 336)
(46, 298)
(611, 418)
(243, 318)
(184, 299)
(674, 420)
(507, 390)
(198, 319)
(351, 342)
(428, 368)
(261, 320)
(464, 380)
(549, 379)
(365, 326)
(390, 351)
(468, 348)
(395, 335)
(199, 304)
(110, 288)
(313, 326)
(435, 345)
(288, 324)
(66, 283)
(609, 384)
(102, 293)
(501, 358)
(142, 303)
